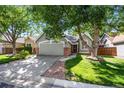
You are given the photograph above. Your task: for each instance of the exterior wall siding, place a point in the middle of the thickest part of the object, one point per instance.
(109, 43)
(120, 50)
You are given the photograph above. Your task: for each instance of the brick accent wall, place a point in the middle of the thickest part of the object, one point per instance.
(67, 51)
(37, 51)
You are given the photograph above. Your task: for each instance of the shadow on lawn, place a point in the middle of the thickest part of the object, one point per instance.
(111, 74)
(107, 73)
(74, 62)
(108, 56)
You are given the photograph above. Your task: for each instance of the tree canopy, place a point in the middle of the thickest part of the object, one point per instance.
(59, 19)
(13, 22)
(56, 20)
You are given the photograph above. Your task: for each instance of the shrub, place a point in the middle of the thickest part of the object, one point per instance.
(22, 55)
(17, 56)
(29, 49)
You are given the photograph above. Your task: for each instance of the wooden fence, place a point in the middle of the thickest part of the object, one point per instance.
(112, 51)
(10, 50)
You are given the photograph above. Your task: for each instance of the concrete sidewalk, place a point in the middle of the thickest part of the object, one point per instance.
(45, 82)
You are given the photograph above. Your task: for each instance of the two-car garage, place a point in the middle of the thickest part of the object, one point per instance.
(51, 48)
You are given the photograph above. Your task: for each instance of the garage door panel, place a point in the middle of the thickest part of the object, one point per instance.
(51, 49)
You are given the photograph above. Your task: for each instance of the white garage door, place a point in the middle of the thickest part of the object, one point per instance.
(120, 50)
(51, 49)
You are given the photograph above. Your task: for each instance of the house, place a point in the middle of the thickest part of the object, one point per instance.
(106, 41)
(66, 46)
(118, 42)
(6, 47)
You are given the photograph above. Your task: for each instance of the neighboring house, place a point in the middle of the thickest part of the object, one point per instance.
(115, 41)
(6, 44)
(30, 41)
(6, 47)
(106, 41)
(66, 46)
(118, 42)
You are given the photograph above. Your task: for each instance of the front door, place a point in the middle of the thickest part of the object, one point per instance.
(74, 48)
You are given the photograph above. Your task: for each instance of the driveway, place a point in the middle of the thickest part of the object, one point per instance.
(28, 69)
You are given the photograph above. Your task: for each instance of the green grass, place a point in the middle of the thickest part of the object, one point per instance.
(110, 72)
(6, 59)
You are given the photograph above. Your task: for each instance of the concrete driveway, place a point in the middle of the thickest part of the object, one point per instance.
(28, 69)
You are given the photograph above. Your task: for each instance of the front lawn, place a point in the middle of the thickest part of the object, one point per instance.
(6, 59)
(110, 72)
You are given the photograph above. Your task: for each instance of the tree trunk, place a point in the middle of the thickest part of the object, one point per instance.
(14, 47)
(95, 42)
(93, 52)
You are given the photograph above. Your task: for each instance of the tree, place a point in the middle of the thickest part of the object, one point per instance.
(13, 22)
(59, 19)
(92, 18)
(52, 20)
(97, 19)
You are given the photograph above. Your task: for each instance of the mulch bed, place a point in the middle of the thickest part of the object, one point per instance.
(56, 71)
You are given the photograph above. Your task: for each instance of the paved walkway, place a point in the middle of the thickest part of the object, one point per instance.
(63, 59)
(122, 57)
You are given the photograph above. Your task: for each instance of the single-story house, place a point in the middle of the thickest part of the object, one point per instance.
(66, 46)
(19, 43)
(118, 42)
(6, 47)
(106, 40)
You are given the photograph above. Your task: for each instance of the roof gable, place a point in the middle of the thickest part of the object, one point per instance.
(118, 39)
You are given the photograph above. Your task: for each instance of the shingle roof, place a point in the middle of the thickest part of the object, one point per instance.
(19, 40)
(111, 38)
(40, 37)
(32, 38)
(118, 39)
(72, 39)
